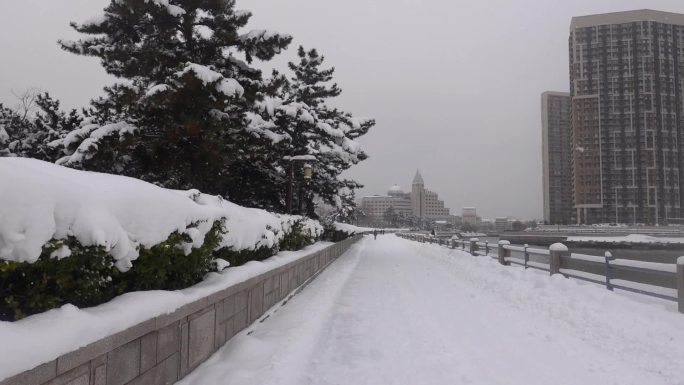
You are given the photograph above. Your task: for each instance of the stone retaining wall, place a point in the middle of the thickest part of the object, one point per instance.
(164, 349)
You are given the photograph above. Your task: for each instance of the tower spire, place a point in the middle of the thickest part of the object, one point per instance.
(418, 179)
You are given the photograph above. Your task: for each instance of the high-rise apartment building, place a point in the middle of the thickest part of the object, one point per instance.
(626, 73)
(556, 152)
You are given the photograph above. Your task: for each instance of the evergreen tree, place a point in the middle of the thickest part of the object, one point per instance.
(38, 136)
(185, 116)
(326, 133)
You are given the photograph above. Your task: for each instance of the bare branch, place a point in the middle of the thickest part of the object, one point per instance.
(26, 102)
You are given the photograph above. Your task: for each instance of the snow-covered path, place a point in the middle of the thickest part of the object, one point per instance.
(393, 311)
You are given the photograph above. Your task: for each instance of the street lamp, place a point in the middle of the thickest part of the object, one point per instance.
(307, 171)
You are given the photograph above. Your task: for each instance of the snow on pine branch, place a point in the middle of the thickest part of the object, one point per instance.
(173, 10)
(90, 143)
(227, 86)
(42, 202)
(263, 44)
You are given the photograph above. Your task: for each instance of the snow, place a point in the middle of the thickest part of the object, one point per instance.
(175, 10)
(680, 260)
(514, 248)
(504, 242)
(632, 238)
(439, 316)
(95, 134)
(532, 250)
(153, 90)
(4, 136)
(300, 157)
(230, 87)
(588, 258)
(659, 290)
(95, 20)
(351, 229)
(539, 265)
(41, 201)
(558, 247)
(582, 274)
(61, 253)
(43, 337)
(227, 86)
(666, 267)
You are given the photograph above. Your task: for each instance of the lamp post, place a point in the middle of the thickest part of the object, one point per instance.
(307, 173)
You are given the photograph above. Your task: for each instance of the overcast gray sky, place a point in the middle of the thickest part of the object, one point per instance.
(454, 85)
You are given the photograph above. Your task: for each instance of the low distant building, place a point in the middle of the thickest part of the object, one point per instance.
(469, 216)
(375, 206)
(420, 203)
(501, 224)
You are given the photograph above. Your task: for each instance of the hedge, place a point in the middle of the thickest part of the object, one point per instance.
(88, 276)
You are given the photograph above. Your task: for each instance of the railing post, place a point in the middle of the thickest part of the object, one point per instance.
(526, 255)
(487, 248)
(473, 246)
(503, 253)
(609, 270)
(680, 284)
(557, 251)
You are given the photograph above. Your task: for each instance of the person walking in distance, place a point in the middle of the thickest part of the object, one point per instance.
(375, 234)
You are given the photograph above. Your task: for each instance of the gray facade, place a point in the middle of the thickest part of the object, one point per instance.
(626, 76)
(556, 151)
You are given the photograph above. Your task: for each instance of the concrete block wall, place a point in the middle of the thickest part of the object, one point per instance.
(165, 349)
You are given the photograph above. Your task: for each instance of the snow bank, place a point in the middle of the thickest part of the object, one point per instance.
(40, 201)
(351, 229)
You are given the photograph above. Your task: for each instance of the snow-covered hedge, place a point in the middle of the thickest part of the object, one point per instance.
(84, 232)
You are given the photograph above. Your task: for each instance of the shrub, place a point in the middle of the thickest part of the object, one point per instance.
(330, 233)
(88, 277)
(83, 279)
(165, 266)
(240, 257)
(296, 238)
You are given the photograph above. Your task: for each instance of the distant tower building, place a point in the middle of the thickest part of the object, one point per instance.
(426, 203)
(556, 152)
(417, 194)
(626, 73)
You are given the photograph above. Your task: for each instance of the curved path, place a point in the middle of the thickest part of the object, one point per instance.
(393, 311)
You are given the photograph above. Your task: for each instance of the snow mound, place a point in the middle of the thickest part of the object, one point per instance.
(41, 201)
(351, 229)
(558, 247)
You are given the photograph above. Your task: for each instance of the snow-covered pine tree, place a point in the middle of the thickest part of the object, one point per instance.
(11, 124)
(314, 128)
(184, 116)
(36, 136)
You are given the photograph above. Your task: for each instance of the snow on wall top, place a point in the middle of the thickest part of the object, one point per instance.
(40, 201)
(631, 238)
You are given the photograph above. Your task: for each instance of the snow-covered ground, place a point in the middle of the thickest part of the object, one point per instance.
(393, 311)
